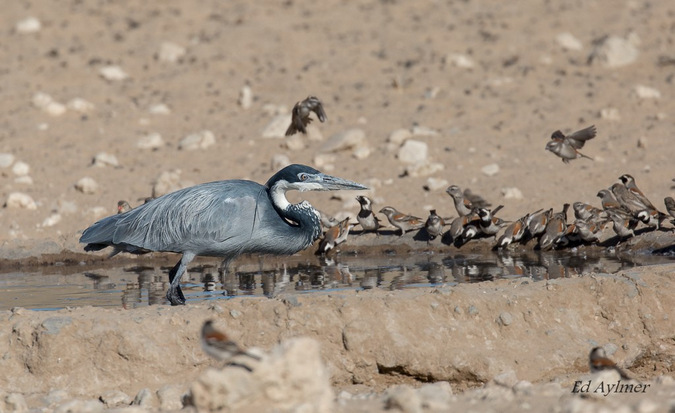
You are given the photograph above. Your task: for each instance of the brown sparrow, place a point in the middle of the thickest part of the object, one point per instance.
(458, 224)
(335, 236)
(598, 361)
(402, 221)
(513, 233)
(587, 212)
(629, 183)
(434, 225)
(462, 204)
(489, 224)
(475, 199)
(608, 200)
(368, 220)
(555, 227)
(219, 346)
(567, 147)
(300, 116)
(627, 199)
(622, 223)
(651, 217)
(123, 206)
(328, 221)
(588, 231)
(536, 223)
(670, 205)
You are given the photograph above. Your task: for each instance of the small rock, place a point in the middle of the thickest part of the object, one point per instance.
(199, 140)
(615, 51)
(114, 398)
(86, 185)
(473, 310)
(507, 379)
(399, 136)
(113, 73)
(6, 159)
(362, 152)
(41, 100)
(567, 41)
(24, 180)
(436, 396)
(271, 109)
(642, 142)
(169, 181)
(159, 109)
(422, 169)
(423, 131)
(512, 193)
(80, 105)
(170, 52)
(611, 114)
(53, 325)
(20, 200)
(321, 160)
(80, 406)
(144, 398)
(103, 159)
(646, 92)
(20, 169)
(277, 127)
(280, 161)
(413, 152)
(170, 397)
(348, 139)
(435, 184)
(98, 212)
(15, 402)
(490, 170)
(505, 318)
(28, 25)
(460, 60)
(245, 97)
(294, 143)
(51, 220)
(55, 109)
(66, 207)
(235, 313)
(151, 141)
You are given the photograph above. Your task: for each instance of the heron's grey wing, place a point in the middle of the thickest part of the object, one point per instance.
(579, 138)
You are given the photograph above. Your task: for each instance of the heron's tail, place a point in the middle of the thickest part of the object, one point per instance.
(100, 234)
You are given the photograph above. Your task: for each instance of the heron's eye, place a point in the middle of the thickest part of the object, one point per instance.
(303, 177)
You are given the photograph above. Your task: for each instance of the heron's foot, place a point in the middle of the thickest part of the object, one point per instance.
(175, 296)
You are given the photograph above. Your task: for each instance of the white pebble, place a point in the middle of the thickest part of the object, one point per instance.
(413, 152)
(423, 131)
(280, 161)
(424, 169)
(86, 185)
(28, 25)
(41, 100)
(435, 184)
(21, 169)
(323, 159)
(567, 41)
(616, 51)
(159, 109)
(80, 105)
(169, 181)
(6, 159)
(113, 73)
(361, 152)
(151, 141)
(24, 180)
(51, 220)
(642, 142)
(490, 170)
(20, 200)
(294, 143)
(170, 52)
(347, 139)
(460, 60)
(66, 207)
(399, 136)
(512, 193)
(199, 140)
(98, 212)
(103, 159)
(277, 127)
(646, 92)
(55, 109)
(610, 114)
(245, 97)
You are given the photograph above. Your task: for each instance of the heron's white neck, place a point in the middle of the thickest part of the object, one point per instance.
(278, 194)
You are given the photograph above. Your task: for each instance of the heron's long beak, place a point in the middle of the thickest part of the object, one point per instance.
(332, 183)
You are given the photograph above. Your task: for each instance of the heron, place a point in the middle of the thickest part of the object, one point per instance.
(220, 219)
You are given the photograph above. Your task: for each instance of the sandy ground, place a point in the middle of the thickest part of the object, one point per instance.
(482, 83)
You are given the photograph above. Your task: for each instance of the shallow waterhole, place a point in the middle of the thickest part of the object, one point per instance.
(142, 282)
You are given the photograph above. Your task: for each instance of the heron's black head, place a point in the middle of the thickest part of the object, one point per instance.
(306, 178)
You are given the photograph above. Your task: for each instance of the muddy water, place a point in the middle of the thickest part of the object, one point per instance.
(144, 282)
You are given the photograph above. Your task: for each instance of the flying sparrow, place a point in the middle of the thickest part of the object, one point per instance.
(567, 147)
(219, 346)
(434, 225)
(368, 220)
(402, 221)
(300, 116)
(598, 361)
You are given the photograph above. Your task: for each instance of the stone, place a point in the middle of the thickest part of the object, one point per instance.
(347, 139)
(294, 143)
(51, 220)
(170, 397)
(6, 160)
(276, 128)
(642, 142)
(280, 161)
(423, 131)
(144, 398)
(422, 169)
(460, 60)
(24, 180)
(28, 25)
(646, 92)
(103, 159)
(436, 397)
(399, 136)
(567, 41)
(80, 406)
(505, 318)
(321, 160)
(245, 97)
(512, 193)
(151, 141)
(15, 402)
(159, 109)
(87, 185)
(615, 51)
(507, 379)
(413, 151)
(114, 398)
(361, 153)
(20, 200)
(490, 170)
(611, 114)
(199, 140)
(169, 181)
(66, 207)
(55, 109)
(80, 105)
(403, 398)
(436, 184)
(53, 325)
(20, 169)
(170, 52)
(113, 73)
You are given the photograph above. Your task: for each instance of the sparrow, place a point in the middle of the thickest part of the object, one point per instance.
(627, 199)
(622, 223)
(123, 206)
(401, 221)
(598, 361)
(328, 221)
(219, 346)
(334, 236)
(651, 217)
(458, 224)
(670, 205)
(588, 231)
(489, 224)
(608, 200)
(475, 199)
(567, 147)
(434, 225)
(300, 115)
(463, 205)
(368, 220)
(629, 182)
(536, 223)
(587, 212)
(513, 233)
(555, 227)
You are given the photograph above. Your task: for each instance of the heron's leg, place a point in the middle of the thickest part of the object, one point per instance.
(174, 294)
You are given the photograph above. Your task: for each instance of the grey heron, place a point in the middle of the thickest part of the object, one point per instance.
(219, 219)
